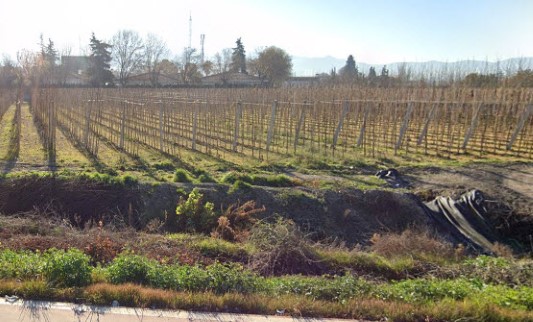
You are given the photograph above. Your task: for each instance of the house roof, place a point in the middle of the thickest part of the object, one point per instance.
(231, 77)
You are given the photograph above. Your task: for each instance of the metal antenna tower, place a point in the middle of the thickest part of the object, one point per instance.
(202, 41)
(190, 30)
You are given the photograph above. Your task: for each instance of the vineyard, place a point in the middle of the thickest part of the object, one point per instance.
(273, 192)
(273, 124)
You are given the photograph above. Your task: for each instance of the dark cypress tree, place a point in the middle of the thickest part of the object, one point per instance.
(372, 73)
(350, 71)
(100, 70)
(238, 58)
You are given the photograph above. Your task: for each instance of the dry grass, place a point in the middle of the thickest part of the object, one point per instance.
(282, 248)
(296, 306)
(236, 221)
(417, 243)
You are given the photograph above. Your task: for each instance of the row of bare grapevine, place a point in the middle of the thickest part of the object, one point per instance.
(262, 123)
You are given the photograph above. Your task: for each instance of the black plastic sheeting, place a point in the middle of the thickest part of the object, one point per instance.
(464, 219)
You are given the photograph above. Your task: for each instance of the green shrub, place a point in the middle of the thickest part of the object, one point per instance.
(164, 165)
(129, 180)
(205, 177)
(129, 268)
(202, 175)
(230, 177)
(423, 290)
(230, 277)
(336, 288)
(279, 180)
(239, 185)
(192, 278)
(67, 268)
(195, 215)
(182, 175)
(21, 264)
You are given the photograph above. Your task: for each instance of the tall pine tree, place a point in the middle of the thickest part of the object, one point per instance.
(100, 70)
(349, 72)
(238, 58)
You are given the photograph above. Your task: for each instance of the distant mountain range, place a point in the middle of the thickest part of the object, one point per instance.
(310, 66)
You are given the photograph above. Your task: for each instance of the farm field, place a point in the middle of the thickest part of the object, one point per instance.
(266, 200)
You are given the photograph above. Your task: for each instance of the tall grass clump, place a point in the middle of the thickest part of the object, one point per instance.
(283, 249)
(182, 175)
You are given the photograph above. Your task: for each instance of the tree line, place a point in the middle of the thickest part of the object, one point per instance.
(127, 53)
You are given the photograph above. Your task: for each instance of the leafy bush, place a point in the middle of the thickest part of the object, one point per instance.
(129, 268)
(195, 215)
(67, 268)
(217, 278)
(179, 278)
(22, 264)
(230, 277)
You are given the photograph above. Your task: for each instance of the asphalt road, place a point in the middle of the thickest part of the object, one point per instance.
(29, 311)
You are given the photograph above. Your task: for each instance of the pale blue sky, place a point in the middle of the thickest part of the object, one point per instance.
(377, 31)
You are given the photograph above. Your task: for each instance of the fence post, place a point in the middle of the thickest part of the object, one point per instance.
(426, 124)
(238, 115)
(403, 129)
(299, 126)
(345, 106)
(363, 127)
(194, 126)
(161, 128)
(87, 124)
(271, 125)
(472, 127)
(122, 124)
(525, 116)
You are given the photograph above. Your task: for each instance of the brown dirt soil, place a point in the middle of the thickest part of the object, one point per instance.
(348, 215)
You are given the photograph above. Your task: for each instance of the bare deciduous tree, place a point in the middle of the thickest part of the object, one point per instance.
(155, 49)
(222, 61)
(128, 53)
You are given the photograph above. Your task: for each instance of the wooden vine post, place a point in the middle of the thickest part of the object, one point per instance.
(404, 127)
(525, 116)
(345, 107)
(299, 126)
(271, 125)
(473, 124)
(238, 116)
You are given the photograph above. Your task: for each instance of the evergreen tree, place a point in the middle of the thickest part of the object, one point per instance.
(372, 73)
(384, 77)
(48, 52)
(100, 59)
(384, 71)
(350, 71)
(238, 58)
